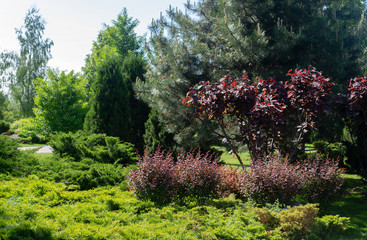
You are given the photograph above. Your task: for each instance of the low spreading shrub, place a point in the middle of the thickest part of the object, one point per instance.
(158, 178)
(300, 222)
(98, 147)
(8, 153)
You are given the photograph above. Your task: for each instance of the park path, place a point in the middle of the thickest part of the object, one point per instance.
(45, 149)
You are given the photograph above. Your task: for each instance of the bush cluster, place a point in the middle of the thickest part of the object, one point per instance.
(4, 126)
(98, 147)
(194, 176)
(8, 153)
(270, 180)
(314, 180)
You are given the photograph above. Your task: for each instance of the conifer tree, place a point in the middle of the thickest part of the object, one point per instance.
(262, 38)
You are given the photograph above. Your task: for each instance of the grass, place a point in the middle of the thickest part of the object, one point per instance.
(32, 145)
(354, 206)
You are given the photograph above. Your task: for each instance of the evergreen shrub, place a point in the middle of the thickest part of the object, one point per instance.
(8, 153)
(4, 126)
(98, 147)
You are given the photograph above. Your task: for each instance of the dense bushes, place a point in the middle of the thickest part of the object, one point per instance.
(316, 180)
(195, 176)
(98, 147)
(8, 153)
(271, 180)
(33, 208)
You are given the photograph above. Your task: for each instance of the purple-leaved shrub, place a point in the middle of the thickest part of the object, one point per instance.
(270, 180)
(314, 180)
(321, 180)
(194, 176)
(154, 178)
(197, 176)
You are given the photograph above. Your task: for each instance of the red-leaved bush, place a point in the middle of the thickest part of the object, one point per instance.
(230, 183)
(270, 180)
(321, 180)
(194, 176)
(154, 177)
(315, 181)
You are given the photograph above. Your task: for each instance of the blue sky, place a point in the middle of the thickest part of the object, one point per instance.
(73, 25)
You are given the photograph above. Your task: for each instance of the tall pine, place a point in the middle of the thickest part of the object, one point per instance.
(263, 38)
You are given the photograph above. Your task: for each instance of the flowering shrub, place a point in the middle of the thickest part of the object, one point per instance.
(271, 180)
(154, 177)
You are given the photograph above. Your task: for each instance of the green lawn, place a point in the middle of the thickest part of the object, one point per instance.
(354, 206)
(32, 145)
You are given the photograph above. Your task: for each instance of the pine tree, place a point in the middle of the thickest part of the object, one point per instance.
(263, 38)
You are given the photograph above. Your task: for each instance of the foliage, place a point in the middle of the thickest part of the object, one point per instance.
(230, 183)
(30, 128)
(8, 153)
(265, 113)
(98, 147)
(118, 39)
(114, 109)
(196, 176)
(155, 134)
(4, 126)
(335, 150)
(33, 207)
(275, 179)
(153, 179)
(60, 103)
(158, 178)
(213, 38)
(356, 106)
(22, 69)
(271, 180)
(321, 180)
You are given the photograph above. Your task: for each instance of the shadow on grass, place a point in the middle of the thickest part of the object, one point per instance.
(354, 206)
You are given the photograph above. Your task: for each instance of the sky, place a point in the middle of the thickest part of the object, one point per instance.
(73, 25)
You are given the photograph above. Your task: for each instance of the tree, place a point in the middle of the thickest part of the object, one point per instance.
(261, 38)
(114, 109)
(60, 103)
(118, 39)
(22, 69)
(270, 115)
(111, 70)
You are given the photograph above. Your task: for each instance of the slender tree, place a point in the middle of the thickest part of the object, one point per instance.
(21, 70)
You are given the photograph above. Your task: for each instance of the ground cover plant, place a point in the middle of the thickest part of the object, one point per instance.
(39, 209)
